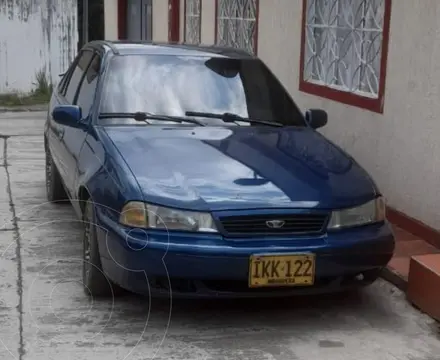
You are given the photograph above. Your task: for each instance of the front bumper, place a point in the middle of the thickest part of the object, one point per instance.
(200, 265)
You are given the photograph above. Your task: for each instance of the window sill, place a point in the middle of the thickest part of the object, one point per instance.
(360, 100)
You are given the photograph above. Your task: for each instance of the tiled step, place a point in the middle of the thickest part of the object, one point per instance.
(412, 238)
(415, 267)
(407, 245)
(424, 284)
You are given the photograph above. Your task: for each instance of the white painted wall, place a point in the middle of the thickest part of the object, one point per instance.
(208, 22)
(35, 37)
(111, 19)
(400, 148)
(160, 20)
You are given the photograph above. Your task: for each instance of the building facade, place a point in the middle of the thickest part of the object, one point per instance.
(371, 64)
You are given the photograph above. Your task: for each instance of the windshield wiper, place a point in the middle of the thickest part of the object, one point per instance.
(144, 116)
(230, 118)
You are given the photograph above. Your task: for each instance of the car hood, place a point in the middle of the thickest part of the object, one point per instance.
(240, 167)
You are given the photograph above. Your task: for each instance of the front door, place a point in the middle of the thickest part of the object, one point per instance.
(73, 138)
(140, 20)
(69, 140)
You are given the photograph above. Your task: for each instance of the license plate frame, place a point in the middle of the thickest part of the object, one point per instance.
(300, 267)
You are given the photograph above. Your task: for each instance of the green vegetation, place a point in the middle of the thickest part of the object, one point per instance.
(40, 95)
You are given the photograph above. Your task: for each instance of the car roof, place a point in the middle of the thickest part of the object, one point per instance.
(168, 48)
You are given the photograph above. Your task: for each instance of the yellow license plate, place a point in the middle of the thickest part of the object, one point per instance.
(281, 270)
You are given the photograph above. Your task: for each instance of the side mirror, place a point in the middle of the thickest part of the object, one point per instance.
(316, 118)
(67, 115)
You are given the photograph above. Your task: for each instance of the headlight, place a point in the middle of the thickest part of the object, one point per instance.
(369, 213)
(142, 215)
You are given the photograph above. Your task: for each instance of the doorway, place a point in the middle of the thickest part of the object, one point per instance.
(90, 21)
(140, 20)
(173, 20)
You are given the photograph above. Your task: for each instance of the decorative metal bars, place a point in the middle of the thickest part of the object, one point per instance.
(237, 24)
(343, 44)
(192, 21)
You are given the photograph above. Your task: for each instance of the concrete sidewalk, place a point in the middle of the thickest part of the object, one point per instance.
(44, 313)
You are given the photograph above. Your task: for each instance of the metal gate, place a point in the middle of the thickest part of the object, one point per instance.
(140, 20)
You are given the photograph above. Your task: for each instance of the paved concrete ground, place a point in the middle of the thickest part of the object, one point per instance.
(45, 315)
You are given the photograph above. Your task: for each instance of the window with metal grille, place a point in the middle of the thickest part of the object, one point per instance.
(193, 17)
(237, 23)
(345, 47)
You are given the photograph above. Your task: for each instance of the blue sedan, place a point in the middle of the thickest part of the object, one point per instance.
(195, 174)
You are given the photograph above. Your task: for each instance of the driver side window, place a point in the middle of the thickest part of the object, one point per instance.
(86, 95)
(76, 75)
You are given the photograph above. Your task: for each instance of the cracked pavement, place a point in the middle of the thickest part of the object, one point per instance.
(44, 313)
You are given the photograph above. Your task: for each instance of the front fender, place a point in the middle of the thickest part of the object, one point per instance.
(104, 176)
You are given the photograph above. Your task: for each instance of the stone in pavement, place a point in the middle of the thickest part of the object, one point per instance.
(5, 207)
(21, 123)
(61, 322)
(26, 167)
(30, 150)
(10, 306)
(2, 146)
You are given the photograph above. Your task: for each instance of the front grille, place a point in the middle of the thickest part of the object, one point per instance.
(293, 224)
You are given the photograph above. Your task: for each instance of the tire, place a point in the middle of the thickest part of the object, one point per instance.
(95, 282)
(54, 186)
(372, 276)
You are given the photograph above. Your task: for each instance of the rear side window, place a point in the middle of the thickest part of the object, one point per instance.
(87, 90)
(77, 74)
(63, 81)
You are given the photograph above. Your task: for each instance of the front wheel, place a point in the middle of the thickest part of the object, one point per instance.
(95, 282)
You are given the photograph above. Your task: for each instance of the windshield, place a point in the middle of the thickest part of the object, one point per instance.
(173, 85)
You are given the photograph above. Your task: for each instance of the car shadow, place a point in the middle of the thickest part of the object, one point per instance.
(370, 306)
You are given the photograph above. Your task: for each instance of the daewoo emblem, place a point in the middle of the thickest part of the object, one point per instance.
(275, 224)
